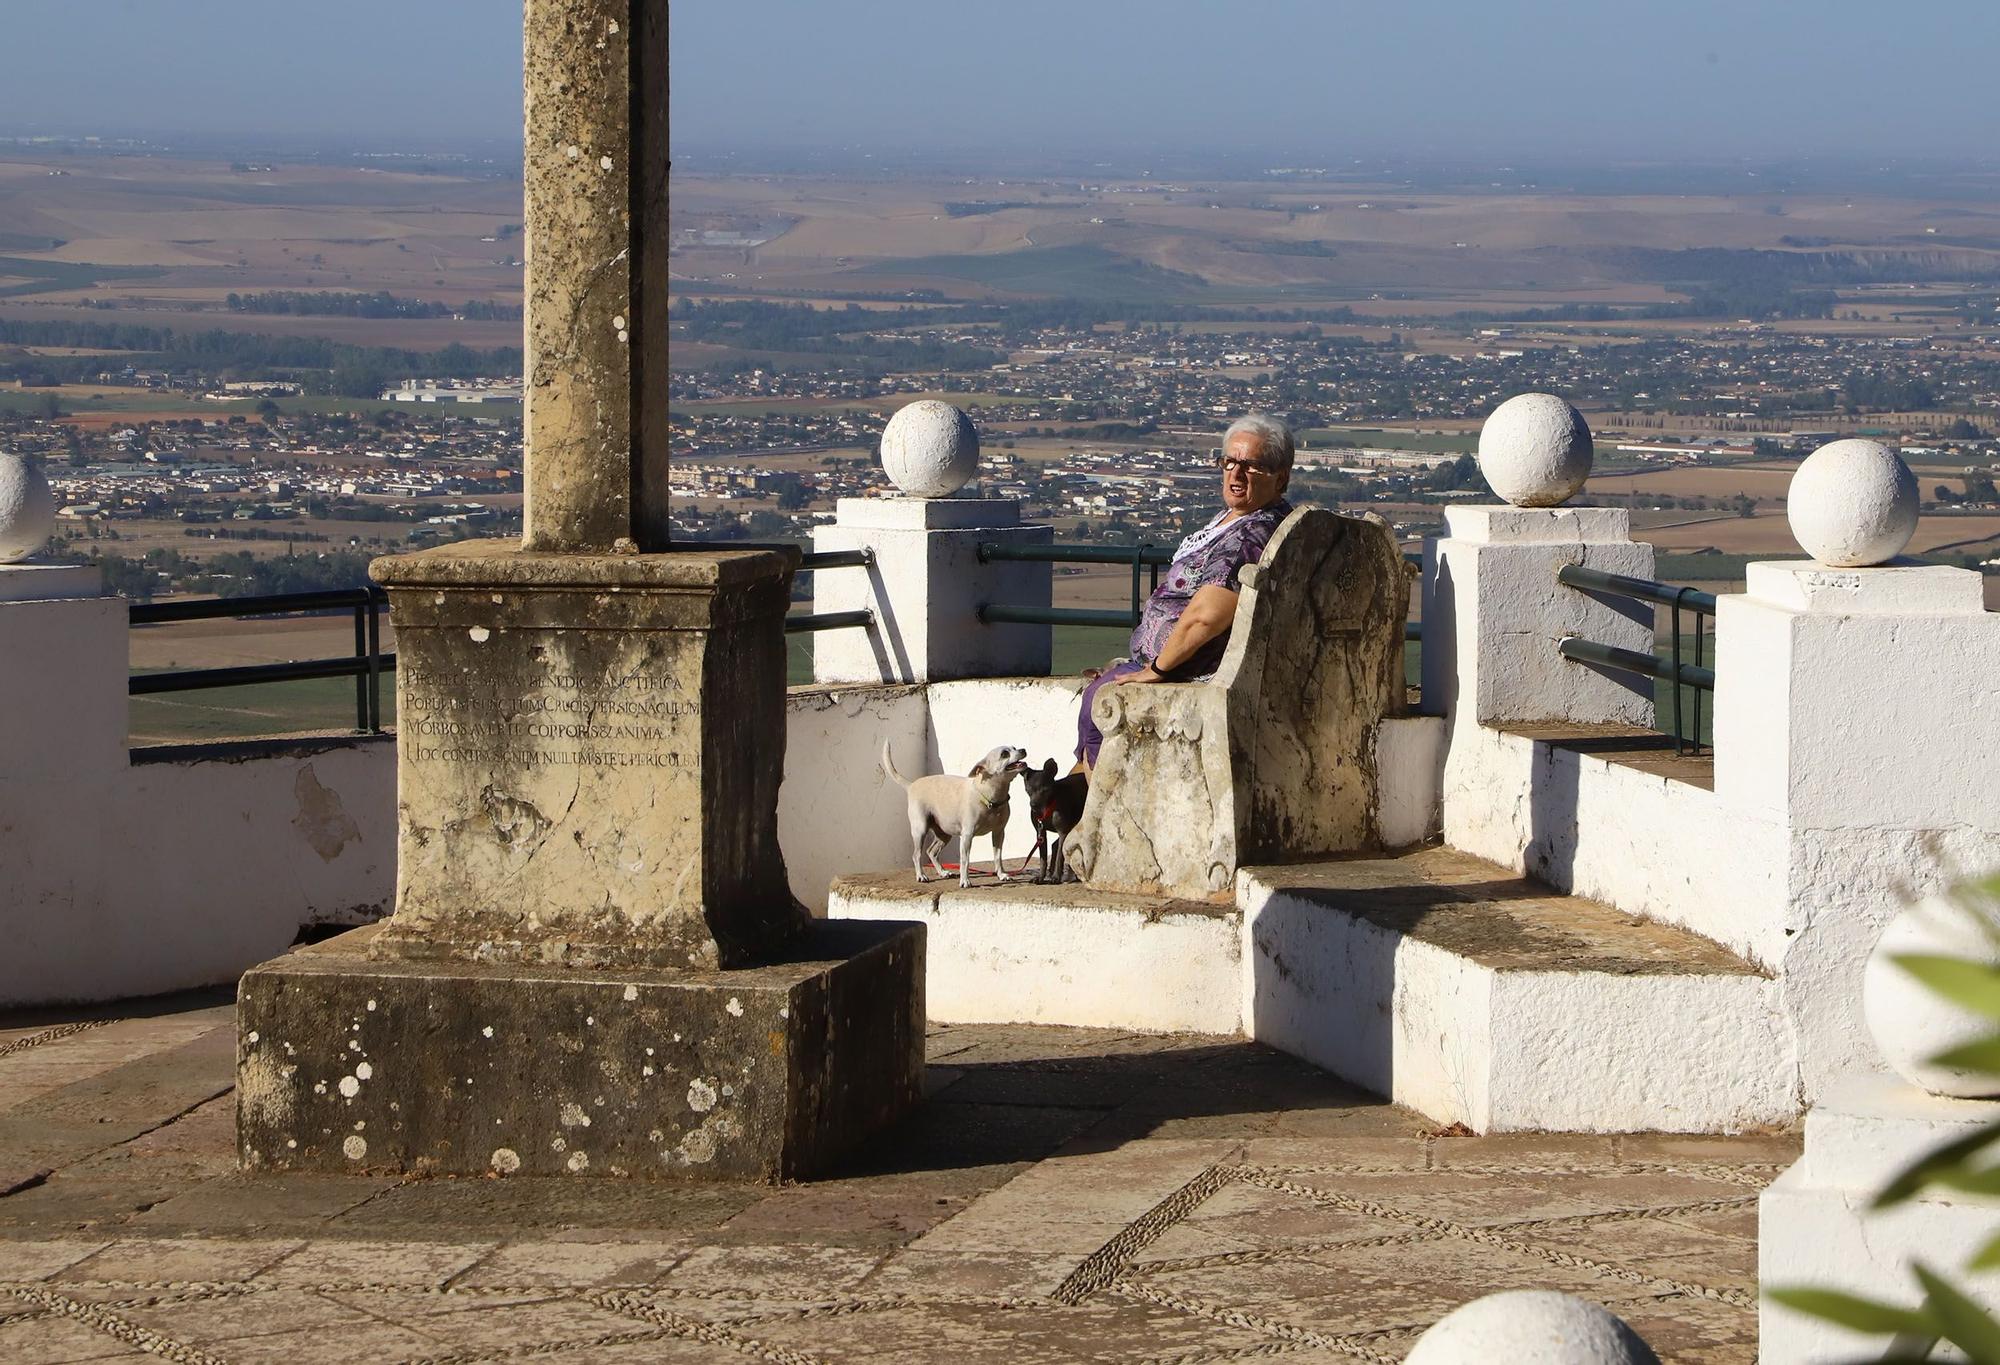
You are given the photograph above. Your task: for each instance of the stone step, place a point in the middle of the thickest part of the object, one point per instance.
(1480, 997)
(1018, 953)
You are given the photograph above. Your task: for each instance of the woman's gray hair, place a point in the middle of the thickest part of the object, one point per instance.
(1274, 438)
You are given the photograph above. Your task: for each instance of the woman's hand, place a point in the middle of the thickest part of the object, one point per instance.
(1148, 674)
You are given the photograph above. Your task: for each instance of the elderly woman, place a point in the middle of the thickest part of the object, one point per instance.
(1185, 627)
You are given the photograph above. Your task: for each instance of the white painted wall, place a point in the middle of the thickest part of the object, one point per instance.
(126, 880)
(837, 810)
(187, 871)
(1647, 844)
(1409, 779)
(1859, 710)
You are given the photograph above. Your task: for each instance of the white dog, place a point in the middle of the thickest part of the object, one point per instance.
(943, 807)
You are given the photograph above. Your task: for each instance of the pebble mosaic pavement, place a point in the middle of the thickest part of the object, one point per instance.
(1065, 1195)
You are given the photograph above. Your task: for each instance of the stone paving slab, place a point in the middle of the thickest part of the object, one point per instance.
(1063, 1195)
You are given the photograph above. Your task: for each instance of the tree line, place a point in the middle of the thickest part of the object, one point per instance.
(321, 365)
(379, 304)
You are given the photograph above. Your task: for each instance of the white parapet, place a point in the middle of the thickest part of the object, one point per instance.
(1475, 997)
(183, 866)
(1027, 954)
(925, 587)
(1494, 615)
(1814, 1226)
(1855, 712)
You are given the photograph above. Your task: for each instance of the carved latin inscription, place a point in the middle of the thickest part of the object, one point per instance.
(561, 721)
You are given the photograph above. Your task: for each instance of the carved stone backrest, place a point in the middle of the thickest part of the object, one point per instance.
(1315, 662)
(1273, 757)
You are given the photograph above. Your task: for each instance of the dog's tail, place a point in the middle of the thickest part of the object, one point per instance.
(889, 767)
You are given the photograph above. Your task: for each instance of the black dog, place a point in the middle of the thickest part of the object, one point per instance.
(1055, 805)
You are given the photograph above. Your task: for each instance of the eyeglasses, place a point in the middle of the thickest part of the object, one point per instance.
(1228, 462)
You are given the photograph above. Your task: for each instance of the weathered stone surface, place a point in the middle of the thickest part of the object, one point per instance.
(595, 164)
(1273, 758)
(589, 758)
(347, 1063)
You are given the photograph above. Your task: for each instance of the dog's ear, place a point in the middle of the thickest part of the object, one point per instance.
(1049, 768)
(978, 769)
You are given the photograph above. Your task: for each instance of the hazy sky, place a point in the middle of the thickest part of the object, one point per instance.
(403, 71)
(1297, 79)
(1677, 78)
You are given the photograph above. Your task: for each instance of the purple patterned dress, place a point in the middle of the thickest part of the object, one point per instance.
(1214, 555)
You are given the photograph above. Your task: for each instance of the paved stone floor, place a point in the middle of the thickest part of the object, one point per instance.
(1067, 1194)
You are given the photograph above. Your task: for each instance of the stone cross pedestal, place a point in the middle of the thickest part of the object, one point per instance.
(595, 965)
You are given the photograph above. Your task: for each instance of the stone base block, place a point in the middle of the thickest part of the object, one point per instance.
(1020, 953)
(352, 1064)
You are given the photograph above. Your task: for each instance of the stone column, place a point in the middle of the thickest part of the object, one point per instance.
(595, 965)
(595, 163)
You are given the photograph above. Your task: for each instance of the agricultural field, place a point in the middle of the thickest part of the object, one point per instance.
(161, 241)
(1381, 250)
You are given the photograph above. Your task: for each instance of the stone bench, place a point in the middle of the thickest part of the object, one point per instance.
(1273, 758)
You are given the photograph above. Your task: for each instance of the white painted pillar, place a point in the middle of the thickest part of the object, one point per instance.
(1494, 615)
(926, 587)
(63, 766)
(63, 670)
(1857, 713)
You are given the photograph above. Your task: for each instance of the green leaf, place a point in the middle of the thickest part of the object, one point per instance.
(1975, 985)
(1855, 1313)
(1961, 1321)
(1982, 1056)
(1988, 1257)
(1984, 1180)
(1927, 1168)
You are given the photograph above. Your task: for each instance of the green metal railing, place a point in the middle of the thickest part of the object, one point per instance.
(1141, 557)
(366, 665)
(1685, 678)
(809, 560)
(368, 662)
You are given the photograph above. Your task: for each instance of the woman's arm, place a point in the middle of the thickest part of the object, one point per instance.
(1208, 614)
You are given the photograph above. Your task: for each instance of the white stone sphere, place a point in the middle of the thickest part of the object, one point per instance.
(929, 449)
(1536, 1325)
(1535, 450)
(27, 508)
(1910, 1024)
(1853, 503)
